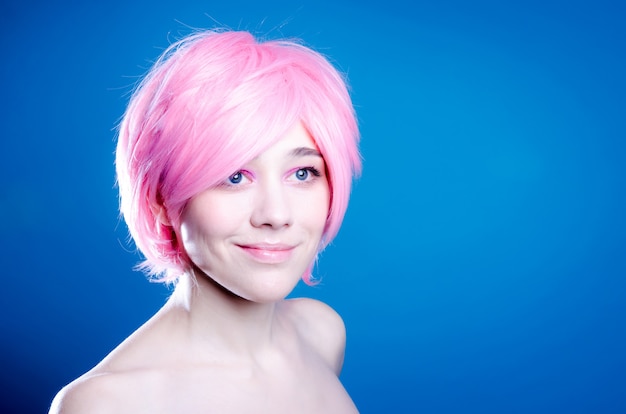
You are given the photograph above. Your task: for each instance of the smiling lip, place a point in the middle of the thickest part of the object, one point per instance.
(268, 253)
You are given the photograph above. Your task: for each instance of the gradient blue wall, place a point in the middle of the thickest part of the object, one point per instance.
(481, 265)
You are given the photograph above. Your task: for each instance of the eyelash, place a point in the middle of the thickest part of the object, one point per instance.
(314, 171)
(241, 175)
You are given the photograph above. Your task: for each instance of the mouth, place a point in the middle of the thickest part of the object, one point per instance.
(268, 253)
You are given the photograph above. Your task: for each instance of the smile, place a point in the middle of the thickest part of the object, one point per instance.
(268, 253)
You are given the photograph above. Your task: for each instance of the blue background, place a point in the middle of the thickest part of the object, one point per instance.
(481, 265)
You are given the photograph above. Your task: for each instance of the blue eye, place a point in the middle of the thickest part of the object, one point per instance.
(302, 174)
(307, 174)
(236, 178)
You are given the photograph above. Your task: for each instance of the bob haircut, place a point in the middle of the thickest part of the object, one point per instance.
(211, 103)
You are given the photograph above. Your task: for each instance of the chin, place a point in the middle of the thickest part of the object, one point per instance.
(268, 290)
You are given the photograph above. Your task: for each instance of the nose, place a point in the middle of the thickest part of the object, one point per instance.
(271, 207)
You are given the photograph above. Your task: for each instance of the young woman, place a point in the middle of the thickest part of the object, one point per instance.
(234, 160)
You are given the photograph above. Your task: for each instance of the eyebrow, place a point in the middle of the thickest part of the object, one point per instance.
(305, 152)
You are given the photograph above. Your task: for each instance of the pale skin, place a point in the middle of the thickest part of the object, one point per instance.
(227, 341)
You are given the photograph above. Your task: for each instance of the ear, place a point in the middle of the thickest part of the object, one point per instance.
(161, 215)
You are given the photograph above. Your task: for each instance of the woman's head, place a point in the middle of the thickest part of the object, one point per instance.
(211, 103)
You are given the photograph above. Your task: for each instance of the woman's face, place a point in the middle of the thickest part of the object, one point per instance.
(258, 232)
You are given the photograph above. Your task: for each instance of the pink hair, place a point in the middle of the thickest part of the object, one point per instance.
(212, 102)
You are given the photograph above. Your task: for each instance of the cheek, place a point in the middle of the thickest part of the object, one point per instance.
(317, 208)
(208, 223)
(224, 218)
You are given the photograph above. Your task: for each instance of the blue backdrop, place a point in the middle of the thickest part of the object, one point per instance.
(481, 265)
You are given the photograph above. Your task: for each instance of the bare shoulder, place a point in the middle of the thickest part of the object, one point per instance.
(321, 327)
(91, 393)
(107, 392)
(132, 378)
(116, 379)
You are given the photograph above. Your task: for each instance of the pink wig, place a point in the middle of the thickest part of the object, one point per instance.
(212, 102)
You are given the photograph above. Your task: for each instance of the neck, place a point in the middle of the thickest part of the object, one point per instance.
(215, 317)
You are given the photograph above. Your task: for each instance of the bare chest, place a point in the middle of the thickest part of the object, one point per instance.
(303, 388)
